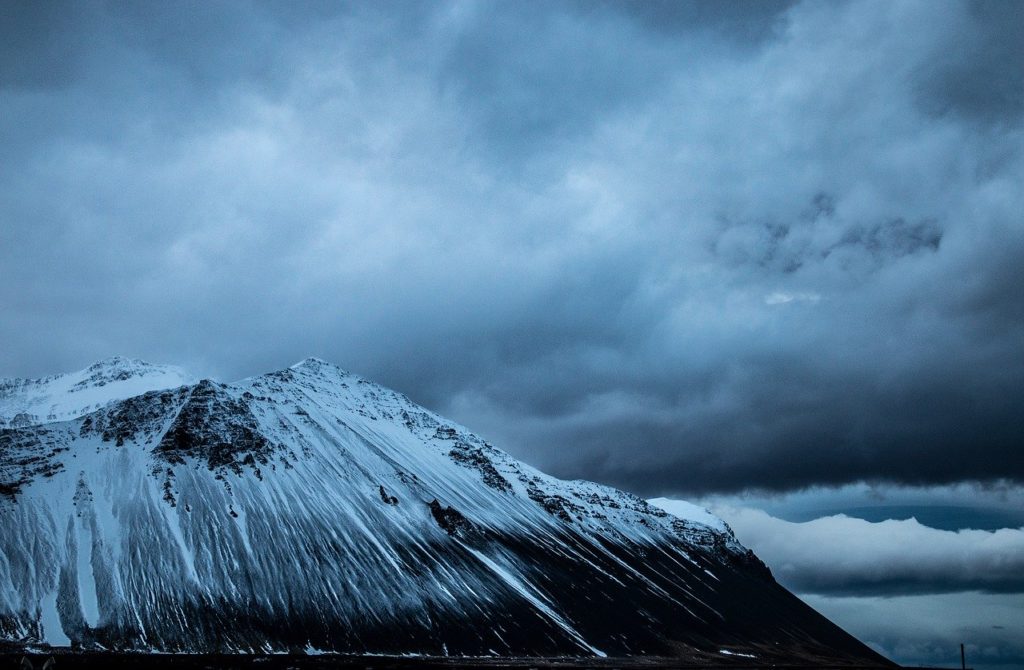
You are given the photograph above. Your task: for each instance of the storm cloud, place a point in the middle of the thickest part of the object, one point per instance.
(677, 247)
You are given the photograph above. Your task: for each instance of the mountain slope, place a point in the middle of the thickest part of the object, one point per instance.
(312, 509)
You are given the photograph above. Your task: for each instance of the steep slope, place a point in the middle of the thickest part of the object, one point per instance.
(312, 509)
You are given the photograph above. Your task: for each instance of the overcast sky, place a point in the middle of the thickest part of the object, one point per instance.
(688, 249)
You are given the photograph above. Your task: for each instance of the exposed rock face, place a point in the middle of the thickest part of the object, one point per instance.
(310, 508)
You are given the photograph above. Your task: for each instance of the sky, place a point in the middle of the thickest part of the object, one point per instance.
(759, 254)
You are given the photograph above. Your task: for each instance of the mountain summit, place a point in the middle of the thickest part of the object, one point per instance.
(311, 509)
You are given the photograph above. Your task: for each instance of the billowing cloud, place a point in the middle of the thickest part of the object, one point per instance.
(672, 246)
(840, 555)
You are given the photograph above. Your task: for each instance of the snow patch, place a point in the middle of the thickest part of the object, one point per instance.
(534, 600)
(86, 577)
(690, 512)
(53, 631)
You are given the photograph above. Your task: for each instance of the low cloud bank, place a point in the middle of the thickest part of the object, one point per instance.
(840, 555)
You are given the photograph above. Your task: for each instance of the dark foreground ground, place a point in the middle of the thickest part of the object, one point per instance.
(119, 661)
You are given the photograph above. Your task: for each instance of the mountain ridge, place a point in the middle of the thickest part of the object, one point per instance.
(71, 394)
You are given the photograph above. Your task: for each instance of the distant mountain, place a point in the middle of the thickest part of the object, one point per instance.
(31, 401)
(310, 509)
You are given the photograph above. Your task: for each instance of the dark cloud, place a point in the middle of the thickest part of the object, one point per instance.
(674, 247)
(746, 21)
(798, 427)
(978, 75)
(38, 44)
(536, 76)
(813, 237)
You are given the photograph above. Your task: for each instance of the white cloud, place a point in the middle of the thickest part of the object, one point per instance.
(782, 297)
(840, 554)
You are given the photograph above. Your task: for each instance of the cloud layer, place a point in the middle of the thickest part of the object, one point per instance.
(912, 592)
(840, 555)
(670, 246)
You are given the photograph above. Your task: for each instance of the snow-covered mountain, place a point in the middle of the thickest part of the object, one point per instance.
(31, 401)
(311, 509)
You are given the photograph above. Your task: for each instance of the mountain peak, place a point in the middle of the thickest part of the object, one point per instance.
(317, 365)
(118, 361)
(64, 396)
(122, 368)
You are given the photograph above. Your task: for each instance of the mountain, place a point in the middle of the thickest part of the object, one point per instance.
(31, 401)
(310, 509)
